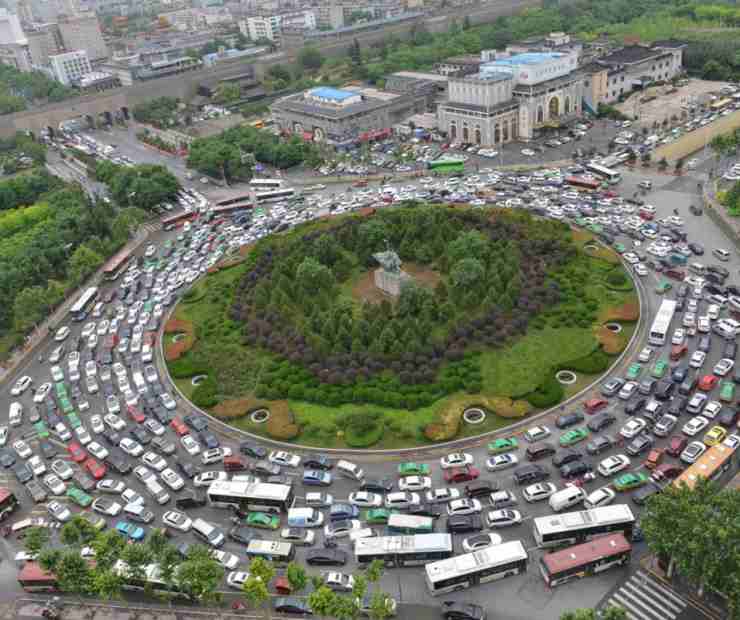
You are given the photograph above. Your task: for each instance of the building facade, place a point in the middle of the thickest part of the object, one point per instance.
(82, 32)
(42, 44)
(69, 67)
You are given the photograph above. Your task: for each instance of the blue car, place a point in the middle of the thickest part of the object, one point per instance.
(341, 511)
(134, 532)
(316, 478)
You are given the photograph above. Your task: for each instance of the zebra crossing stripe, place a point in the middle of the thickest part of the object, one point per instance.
(658, 595)
(632, 612)
(644, 599)
(665, 591)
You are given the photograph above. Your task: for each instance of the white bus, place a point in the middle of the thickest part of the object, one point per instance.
(397, 551)
(262, 184)
(610, 176)
(275, 194)
(570, 528)
(271, 550)
(662, 323)
(472, 569)
(251, 495)
(83, 305)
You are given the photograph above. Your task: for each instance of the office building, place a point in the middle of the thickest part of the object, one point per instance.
(69, 67)
(13, 42)
(270, 26)
(43, 43)
(82, 32)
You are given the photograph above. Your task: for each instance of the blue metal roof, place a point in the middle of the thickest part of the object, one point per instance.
(527, 58)
(327, 92)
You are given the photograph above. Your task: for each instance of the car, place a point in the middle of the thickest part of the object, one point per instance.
(413, 469)
(696, 403)
(460, 524)
(502, 444)
(659, 369)
(339, 582)
(164, 445)
(503, 518)
(573, 436)
(456, 459)
(191, 446)
(727, 391)
(631, 480)
(326, 557)
(715, 435)
(21, 385)
(131, 447)
(455, 610)
(666, 471)
(76, 453)
(253, 450)
(298, 536)
(599, 497)
(613, 464)
(172, 479)
(501, 461)
(129, 530)
(114, 487)
(62, 333)
(665, 425)
(537, 433)
(442, 495)
(316, 477)
(317, 461)
(600, 422)
(22, 449)
(263, 520)
(460, 474)
(228, 560)
(58, 511)
(208, 477)
(695, 425)
(645, 354)
(114, 422)
(62, 469)
(154, 460)
(612, 386)
(569, 419)
(692, 452)
(168, 402)
(94, 468)
(711, 410)
(341, 529)
(723, 366)
(697, 359)
(41, 392)
(632, 428)
(464, 506)
(707, 383)
(288, 604)
(54, 484)
(480, 541)
(634, 371)
(401, 499)
(539, 491)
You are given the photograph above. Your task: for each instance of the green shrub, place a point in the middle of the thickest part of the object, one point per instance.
(364, 440)
(205, 393)
(548, 394)
(186, 366)
(590, 364)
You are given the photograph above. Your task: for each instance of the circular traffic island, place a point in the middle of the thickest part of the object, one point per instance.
(393, 328)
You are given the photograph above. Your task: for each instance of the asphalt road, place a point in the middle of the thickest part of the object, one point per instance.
(518, 598)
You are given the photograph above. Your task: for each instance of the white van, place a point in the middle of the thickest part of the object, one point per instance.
(721, 254)
(140, 383)
(15, 416)
(139, 513)
(566, 498)
(697, 268)
(208, 533)
(157, 492)
(305, 517)
(727, 328)
(349, 470)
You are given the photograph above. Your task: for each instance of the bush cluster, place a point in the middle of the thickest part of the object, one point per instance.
(548, 394)
(205, 394)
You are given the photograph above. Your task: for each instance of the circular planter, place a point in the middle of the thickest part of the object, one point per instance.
(614, 327)
(474, 415)
(178, 337)
(198, 379)
(259, 416)
(566, 377)
(590, 247)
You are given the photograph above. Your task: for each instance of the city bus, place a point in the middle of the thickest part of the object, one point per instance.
(397, 551)
(447, 164)
(662, 322)
(712, 465)
(259, 496)
(409, 524)
(275, 194)
(178, 218)
(571, 528)
(150, 581)
(8, 503)
(84, 304)
(610, 176)
(720, 105)
(271, 550)
(263, 184)
(225, 202)
(471, 569)
(118, 264)
(585, 560)
(583, 182)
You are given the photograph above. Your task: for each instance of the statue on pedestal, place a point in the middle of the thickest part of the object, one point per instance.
(389, 277)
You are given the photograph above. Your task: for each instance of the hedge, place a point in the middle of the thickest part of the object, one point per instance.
(185, 367)
(548, 394)
(507, 408)
(590, 364)
(365, 440)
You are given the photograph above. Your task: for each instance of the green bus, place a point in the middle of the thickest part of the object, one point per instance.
(447, 164)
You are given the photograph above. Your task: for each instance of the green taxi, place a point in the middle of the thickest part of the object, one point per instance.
(659, 369)
(503, 444)
(41, 431)
(79, 497)
(631, 480)
(65, 405)
(573, 436)
(378, 516)
(263, 520)
(727, 391)
(634, 371)
(663, 287)
(413, 469)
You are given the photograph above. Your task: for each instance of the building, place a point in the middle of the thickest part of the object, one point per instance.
(82, 32)
(69, 67)
(97, 81)
(270, 26)
(227, 55)
(43, 42)
(13, 42)
(429, 86)
(329, 15)
(459, 65)
(341, 115)
(641, 65)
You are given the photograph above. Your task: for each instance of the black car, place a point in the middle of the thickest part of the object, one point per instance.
(696, 248)
(679, 374)
(639, 444)
(715, 289)
(729, 350)
(292, 605)
(677, 405)
(191, 499)
(480, 488)
(111, 436)
(209, 440)
(253, 450)
(688, 385)
(529, 474)
(425, 510)
(118, 463)
(565, 456)
(188, 469)
(459, 524)
(575, 469)
(728, 417)
(599, 444)
(454, 610)
(48, 449)
(664, 389)
(642, 495)
(317, 461)
(719, 270)
(569, 419)
(82, 480)
(140, 434)
(7, 458)
(22, 472)
(244, 535)
(705, 344)
(326, 557)
(635, 406)
(600, 422)
(377, 485)
(197, 423)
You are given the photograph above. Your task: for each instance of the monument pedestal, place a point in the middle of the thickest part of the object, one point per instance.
(390, 283)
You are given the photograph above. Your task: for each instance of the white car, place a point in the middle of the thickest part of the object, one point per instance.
(456, 459)
(172, 479)
(88, 329)
(168, 402)
(153, 460)
(724, 366)
(116, 423)
(132, 498)
(697, 359)
(679, 336)
(22, 449)
(191, 446)
(4, 433)
(91, 368)
(537, 433)
(98, 451)
(57, 374)
(695, 425)
(38, 467)
(640, 270)
(501, 461)
(177, 521)
(503, 518)
(207, 477)
(41, 392)
(82, 435)
(54, 484)
(442, 496)
(633, 428)
(154, 427)
(96, 423)
(21, 385)
(131, 447)
(119, 370)
(692, 452)
(628, 390)
(538, 491)
(237, 579)
(415, 483)
(365, 499)
(711, 409)
(689, 320)
(703, 324)
(645, 355)
(92, 385)
(62, 469)
(612, 464)
(464, 506)
(150, 374)
(150, 251)
(112, 404)
(225, 559)
(318, 499)
(599, 497)
(732, 442)
(107, 507)
(59, 511)
(284, 458)
(62, 333)
(401, 499)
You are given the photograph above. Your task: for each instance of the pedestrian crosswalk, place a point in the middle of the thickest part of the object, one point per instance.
(152, 227)
(645, 598)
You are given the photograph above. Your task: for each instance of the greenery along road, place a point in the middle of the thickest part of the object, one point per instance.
(498, 303)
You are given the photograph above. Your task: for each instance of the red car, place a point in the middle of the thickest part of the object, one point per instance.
(95, 469)
(135, 414)
(595, 404)
(676, 445)
(678, 351)
(667, 471)
(461, 474)
(76, 453)
(179, 426)
(675, 274)
(707, 383)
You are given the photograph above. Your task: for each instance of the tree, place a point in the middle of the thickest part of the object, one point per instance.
(679, 165)
(355, 53)
(137, 557)
(77, 532)
(228, 92)
(467, 274)
(82, 263)
(108, 547)
(255, 591)
(199, 575)
(322, 601)
(610, 613)
(380, 606)
(310, 58)
(36, 539)
(265, 570)
(663, 163)
(107, 584)
(296, 575)
(73, 573)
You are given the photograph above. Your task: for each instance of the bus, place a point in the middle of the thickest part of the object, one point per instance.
(228, 209)
(118, 264)
(583, 182)
(84, 304)
(178, 218)
(409, 524)
(662, 322)
(720, 105)
(275, 194)
(251, 496)
(398, 551)
(151, 580)
(258, 124)
(33, 578)
(571, 528)
(610, 176)
(585, 560)
(262, 184)
(271, 550)
(225, 202)
(8, 503)
(712, 465)
(472, 569)
(447, 164)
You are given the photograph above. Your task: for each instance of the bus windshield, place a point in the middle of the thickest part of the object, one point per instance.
(82, 306)
(609, 175)
(662, 323)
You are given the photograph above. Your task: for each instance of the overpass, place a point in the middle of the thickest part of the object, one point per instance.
(118, 102)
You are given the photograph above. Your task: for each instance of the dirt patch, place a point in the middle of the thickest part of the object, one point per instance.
(629, 311)
(364, 288)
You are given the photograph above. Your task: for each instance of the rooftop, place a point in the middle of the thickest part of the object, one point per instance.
(489, 76)
(466, 59)
(420, 75)
(631, 54)
(527, 58)
(670, 44)
(327, 92)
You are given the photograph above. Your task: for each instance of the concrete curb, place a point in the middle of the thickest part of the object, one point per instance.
(416, 451)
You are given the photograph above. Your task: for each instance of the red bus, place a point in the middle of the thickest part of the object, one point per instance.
(8, 503)
(227, 202)
(224, 209)
(118, 264)
(586, 559)
(179, 218)
(583, 182)
(33, 578)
